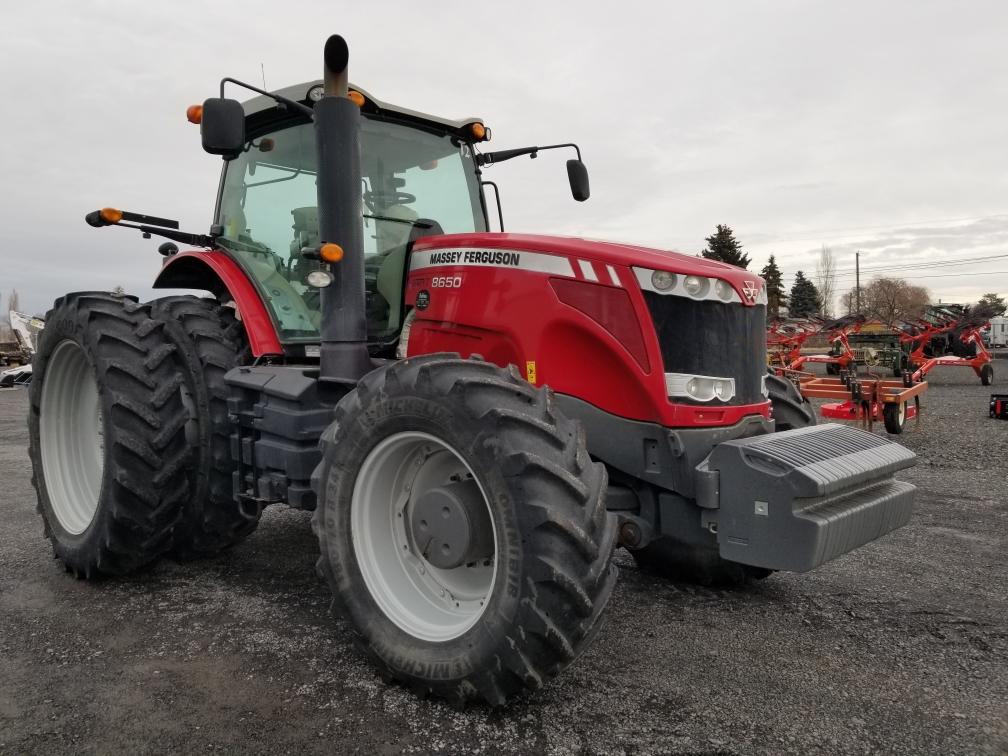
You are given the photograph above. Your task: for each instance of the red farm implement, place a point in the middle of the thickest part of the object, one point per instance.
(866, 399)
(949, 339)
(785, 342)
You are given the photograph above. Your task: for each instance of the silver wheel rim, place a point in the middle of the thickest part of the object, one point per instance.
(429, 603)
(901, 418)
(71, 437)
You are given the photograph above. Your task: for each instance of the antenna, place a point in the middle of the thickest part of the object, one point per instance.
(262, 68)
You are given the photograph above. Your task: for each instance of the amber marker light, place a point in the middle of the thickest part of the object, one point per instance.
(356, 98)
(110, 214)
(478, 130)
(194, 113)
(331, 253)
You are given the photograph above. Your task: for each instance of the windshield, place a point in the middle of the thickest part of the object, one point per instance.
(268, 212)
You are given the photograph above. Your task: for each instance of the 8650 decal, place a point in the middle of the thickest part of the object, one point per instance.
(446, 282)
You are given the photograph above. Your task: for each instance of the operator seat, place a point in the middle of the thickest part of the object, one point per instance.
(393, 239)
(392, 274)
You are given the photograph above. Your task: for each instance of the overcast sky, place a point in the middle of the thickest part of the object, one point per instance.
(874, 126)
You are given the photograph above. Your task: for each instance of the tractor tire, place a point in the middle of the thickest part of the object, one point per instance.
(209, 341)
(831, 368)
(894, 417)
(106, 431)
(533, 594)
(987, 374)
(790, 409)
(701, 563)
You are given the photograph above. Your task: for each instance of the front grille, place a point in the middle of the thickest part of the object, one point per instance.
(712, 338)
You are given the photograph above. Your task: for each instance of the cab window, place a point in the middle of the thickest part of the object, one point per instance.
(268, 211)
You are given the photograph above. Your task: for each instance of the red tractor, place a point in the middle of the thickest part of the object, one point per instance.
(370, 351)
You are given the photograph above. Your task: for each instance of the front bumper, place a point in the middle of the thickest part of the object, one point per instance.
(796, 499)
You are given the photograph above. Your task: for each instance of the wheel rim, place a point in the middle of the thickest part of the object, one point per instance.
(901, 418)
(71, 437)
(425, 601)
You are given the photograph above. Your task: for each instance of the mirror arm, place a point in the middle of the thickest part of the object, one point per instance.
(500, 213)
(489, 158)
(296, 106)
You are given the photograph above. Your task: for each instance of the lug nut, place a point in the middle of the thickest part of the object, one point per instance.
(630, 534)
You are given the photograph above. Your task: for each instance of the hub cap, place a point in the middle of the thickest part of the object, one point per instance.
(428, 602)
(71, 438)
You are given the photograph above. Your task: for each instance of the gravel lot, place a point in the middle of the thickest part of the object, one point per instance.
(901, 647)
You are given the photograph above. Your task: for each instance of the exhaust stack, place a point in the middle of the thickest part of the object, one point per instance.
(344, 356)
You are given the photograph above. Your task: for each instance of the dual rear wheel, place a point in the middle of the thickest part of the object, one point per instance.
(128, 430)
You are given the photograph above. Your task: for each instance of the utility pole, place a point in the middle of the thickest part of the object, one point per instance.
(857, 279)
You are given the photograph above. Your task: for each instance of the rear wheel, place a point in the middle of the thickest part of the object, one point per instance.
(106, 434)
(894, 417)
(462, 528)
(209, 341)
(987, 374)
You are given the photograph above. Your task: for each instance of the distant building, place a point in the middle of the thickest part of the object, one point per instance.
(998, 334)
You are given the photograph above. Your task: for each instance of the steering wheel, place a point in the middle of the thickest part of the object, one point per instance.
(389, 198)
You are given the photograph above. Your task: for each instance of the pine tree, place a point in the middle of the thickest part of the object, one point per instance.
(804, 297)
(724, 247)
(776, 297)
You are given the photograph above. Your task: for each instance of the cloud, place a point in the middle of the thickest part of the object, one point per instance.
(773, 117)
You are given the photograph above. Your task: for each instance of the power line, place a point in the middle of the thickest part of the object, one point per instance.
(939, 264)
(940, 275)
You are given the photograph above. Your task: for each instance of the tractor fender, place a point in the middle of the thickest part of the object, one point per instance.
(216, 272)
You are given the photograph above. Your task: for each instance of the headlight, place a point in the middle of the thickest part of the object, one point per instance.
(319, 279)
(723, 290)
(700, 388)
(663, 280)
(696, 287)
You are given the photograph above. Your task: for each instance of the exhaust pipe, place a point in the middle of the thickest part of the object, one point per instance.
(343, 355)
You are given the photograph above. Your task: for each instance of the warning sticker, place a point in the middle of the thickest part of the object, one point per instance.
(530, 371)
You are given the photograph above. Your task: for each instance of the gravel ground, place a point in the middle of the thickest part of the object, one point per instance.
(900, 647)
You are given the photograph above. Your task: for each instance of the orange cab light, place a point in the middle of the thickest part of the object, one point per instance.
(194, 113)
(331, 253)
(356, 98)
(478, 130)
(110, 214)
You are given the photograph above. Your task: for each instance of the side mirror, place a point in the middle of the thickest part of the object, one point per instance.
(577, 174)
(223, 127)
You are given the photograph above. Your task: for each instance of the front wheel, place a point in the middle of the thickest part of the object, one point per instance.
(462, 528)
(790, 409)
(987, 375)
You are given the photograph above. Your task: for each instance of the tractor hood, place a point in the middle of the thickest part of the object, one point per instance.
(604, 253)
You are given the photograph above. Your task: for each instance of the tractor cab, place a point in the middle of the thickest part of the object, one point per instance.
(418, 177)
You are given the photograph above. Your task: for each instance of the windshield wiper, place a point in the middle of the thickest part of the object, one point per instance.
(418, 223)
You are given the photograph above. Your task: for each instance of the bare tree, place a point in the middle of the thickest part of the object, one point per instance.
(825, 279)
(893, 299)
(849, 302)
(12, 301)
